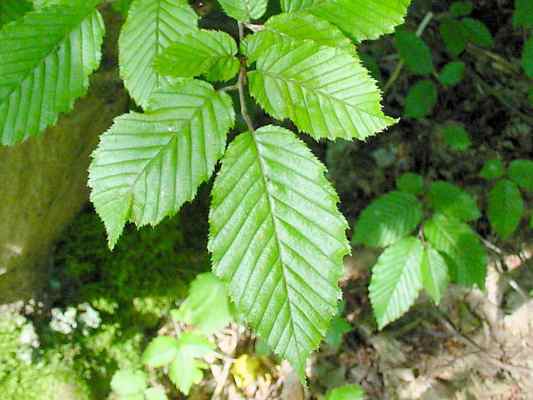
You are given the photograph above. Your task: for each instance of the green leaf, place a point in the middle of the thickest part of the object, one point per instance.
(339, 326)
(521, 171)
(292, 28)
(324, 91)
(151, 26)
(127, 382)
(160, 352)
(244, 10)
(47, 57)
(174, 147)
(451, 200)
(527, 57)
(38, 4)
(346, 392)
(186, 369)
(371, 64)
(278, 240)
(414, 52)
(492, 169)
(523, 14)
(456, 136)
(454, 36)
(477, 32)
(461, 8)
(434, 273)
(421, 99)
(452, 73)
(185, 375)
(361, 19)
(201, 52)
(505, 208)
(207, 306)
(11, 10)
(388, 219)
(465, 255)
(155, 393)
(396, 280)
(410, 183)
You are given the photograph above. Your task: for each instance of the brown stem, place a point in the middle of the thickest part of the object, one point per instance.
(241, 83)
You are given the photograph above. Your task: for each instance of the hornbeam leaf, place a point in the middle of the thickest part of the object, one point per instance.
(523, 14)
(287, 28)
(278, 240)
(244, 10)
(47, 57)
(147, 165)
(151, 26)
(465, 255)
(325, 91)
(449, 199)
(521, 172)
(505, 208)
(361, 19)
(396, 280)
(414, 52)
(198, 53)
(388, 219)
(434, 273)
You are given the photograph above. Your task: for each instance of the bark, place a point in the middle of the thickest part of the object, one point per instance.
(43, 181)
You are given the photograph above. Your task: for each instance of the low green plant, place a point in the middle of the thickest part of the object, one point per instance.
(457, 30)
(206, 310)
(427, 242)
(505, 203)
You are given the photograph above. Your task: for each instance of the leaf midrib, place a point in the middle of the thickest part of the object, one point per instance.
(278, 244)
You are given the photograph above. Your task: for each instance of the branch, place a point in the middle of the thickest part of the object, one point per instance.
(241, 83)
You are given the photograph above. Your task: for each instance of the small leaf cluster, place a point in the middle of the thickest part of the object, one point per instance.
(457, 30)
(505, 203)
(206, 310)
(424, 249)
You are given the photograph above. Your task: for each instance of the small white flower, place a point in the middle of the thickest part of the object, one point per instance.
(64, 322)
(89, 316)
(28, 336)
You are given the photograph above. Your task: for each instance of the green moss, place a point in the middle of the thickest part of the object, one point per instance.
(48, 378)
(132, 288)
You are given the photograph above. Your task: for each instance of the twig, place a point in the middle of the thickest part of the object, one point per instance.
(241, 83)
(228, 362)
(504, 102)
(230, 88)
(254, 27)
(482, 351)
(396, 73)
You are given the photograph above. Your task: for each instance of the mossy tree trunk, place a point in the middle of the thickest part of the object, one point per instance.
(43, 181)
